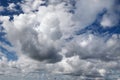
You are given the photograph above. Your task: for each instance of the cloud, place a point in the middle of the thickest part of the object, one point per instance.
(1, 55)
(1, 8)
(35, 45)
(10, 68)
(11, 6)
(40, 34)
(86, 12)
(27, 7)
(111, 18)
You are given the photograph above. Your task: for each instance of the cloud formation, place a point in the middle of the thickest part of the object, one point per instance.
(42, 31)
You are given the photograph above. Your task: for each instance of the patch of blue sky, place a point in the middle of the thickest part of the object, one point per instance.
(10, 13)
(7, 12)
(5, 3)
(11, 55)
(3, 40)
(97, 29)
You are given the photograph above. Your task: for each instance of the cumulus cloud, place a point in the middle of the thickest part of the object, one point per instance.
(11, 7)
(27, 7)
(40, 33)
(10, 68)
(111, 18)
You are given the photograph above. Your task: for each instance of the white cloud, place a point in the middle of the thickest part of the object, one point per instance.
(110, 20)
(87, 11)
(32, 5)
(106, 22)
(41, 36)
(11, 7)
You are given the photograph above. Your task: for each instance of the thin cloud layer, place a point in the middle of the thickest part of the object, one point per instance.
(45, 32)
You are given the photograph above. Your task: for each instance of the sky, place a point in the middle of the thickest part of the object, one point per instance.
(59, 39)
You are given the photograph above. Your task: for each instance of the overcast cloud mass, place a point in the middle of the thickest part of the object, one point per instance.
(79, 38)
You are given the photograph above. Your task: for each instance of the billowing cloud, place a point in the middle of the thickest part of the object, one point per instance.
(46, 32)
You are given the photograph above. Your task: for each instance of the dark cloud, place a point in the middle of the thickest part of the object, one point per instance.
(48, 54)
